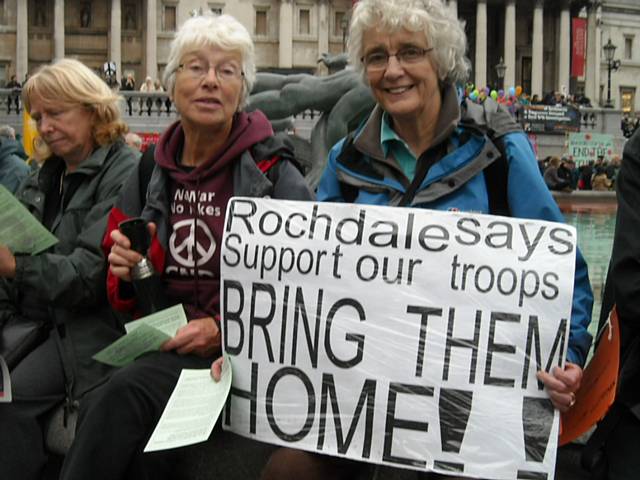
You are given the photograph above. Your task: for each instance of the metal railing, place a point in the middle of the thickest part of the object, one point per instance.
(10, 101)
(133, 104)
(147, 104)
(151, 112)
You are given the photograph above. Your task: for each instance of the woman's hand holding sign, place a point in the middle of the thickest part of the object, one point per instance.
(216, 369)
(562, 384)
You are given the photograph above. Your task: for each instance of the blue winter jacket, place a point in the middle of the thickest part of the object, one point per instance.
(456, 183)
(13, 167)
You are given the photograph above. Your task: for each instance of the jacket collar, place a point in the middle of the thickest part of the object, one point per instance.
(90, 166)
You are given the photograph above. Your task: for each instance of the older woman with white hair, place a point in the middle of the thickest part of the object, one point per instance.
(422, 147)
(215, 151)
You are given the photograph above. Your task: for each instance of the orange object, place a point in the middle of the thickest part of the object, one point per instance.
(598, 389)
(28, 133)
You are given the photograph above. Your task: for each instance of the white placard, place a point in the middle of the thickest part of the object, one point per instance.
(397, 336)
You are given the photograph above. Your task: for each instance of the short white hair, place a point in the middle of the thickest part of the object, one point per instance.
(7, 131)
(133, 140)
(441, 28)
(209, 30)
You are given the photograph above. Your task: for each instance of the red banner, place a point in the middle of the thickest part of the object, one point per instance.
(148, 138)
(578, 46)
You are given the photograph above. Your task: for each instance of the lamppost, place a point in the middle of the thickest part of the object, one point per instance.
(609, 53)
(501, 69)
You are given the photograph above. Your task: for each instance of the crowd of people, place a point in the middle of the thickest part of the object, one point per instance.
(515, 97)
(421, 147)
(562, 174)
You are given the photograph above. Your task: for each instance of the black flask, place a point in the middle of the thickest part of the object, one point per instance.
(146, 282)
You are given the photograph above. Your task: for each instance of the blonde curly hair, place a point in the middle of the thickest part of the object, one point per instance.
(75, 85)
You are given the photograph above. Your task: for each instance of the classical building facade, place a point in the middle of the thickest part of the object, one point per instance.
(619, 21)
(136, 34)
(532, 38)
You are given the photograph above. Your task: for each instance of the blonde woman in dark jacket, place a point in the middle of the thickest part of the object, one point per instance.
(77, 116)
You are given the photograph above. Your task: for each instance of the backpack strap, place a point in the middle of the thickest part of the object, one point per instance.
(492, 120)
(496, 176)
(265, 165)
(268, 154)
(424, 164)
(349, 151)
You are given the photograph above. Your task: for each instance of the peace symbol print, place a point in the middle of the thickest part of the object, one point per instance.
(183, 251)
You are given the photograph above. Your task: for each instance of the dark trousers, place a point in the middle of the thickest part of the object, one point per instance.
(37, 385)
(117, 419)
(622, 449)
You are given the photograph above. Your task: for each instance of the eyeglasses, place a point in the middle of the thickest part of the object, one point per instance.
(379, 60)
(198, 69)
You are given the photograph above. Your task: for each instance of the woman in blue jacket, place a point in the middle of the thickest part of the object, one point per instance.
(421, 148)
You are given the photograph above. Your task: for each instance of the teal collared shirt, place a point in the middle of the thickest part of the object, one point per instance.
(392, 143)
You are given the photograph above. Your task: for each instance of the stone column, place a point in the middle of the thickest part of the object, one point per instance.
(564, 49)
(323, 26)
(453, 6)
(537, 61)
(58, 29)
(22, 42)
(594, 59)
(115, 38)
(481, 44)
(285, 49)
(151, 40)
(324, 23)
(510, 44)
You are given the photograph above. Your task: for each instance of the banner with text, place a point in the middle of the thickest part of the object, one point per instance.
(550, 119)
(396, 336)
(585, 147)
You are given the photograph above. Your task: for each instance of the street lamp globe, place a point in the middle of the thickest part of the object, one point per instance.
(609, 51)
(612, 65)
